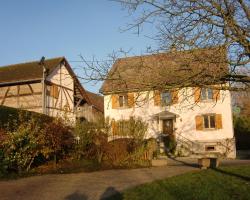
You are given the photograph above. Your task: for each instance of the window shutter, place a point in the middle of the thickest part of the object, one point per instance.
(114, 126)
(157, 98)
(218, 121)
(115, 101)
(197, 94)
(131, 100)
(54, 92)
(199, 123)
(175, 97)
(216, 95)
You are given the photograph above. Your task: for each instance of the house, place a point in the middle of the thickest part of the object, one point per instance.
(180, 94)
(50, 87)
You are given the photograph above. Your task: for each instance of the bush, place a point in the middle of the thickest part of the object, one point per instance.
(30, 143)
(134, 128)
(126, 152)
(128, 147)
(21, 147)
(242, 132)
(11, 118)
(57, 140)
(91, 140)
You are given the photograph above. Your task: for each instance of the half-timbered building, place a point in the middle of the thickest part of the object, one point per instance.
(50, 87)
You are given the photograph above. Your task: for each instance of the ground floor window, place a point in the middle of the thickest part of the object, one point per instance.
(209, 121)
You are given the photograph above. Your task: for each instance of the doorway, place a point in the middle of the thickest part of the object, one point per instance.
(168, 127)
(168, 135)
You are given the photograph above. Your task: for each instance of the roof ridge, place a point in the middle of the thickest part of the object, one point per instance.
(30, 62)
(172, 52)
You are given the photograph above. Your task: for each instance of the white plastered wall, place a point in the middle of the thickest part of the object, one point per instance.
(186, 110)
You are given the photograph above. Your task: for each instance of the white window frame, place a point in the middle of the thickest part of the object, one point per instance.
(206, 97)
(164, 103)
(124, 101)
(209, 121)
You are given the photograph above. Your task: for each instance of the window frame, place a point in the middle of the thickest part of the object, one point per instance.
(163, 102)
(207, 93)
(124, 101)
(209, 121)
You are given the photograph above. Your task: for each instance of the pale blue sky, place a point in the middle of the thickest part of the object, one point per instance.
(31, 29)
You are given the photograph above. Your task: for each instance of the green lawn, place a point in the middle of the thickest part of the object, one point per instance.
(222, 183)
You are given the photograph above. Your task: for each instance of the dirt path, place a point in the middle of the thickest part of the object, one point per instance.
(91, 186)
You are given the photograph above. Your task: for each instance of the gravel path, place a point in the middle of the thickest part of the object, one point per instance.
(91, 186)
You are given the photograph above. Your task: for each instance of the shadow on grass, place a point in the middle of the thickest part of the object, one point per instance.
(76, 196)
(111, 194)
(245, 178)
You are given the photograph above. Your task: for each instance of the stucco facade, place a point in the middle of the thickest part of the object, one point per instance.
(184, 123)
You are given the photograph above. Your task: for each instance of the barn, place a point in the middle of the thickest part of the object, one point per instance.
(48, 86)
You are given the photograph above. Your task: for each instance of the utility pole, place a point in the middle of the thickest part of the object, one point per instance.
(43, 86)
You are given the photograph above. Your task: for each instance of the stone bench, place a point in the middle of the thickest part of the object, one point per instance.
(205, 163)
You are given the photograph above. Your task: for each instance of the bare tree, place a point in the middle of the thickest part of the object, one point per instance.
(187, 25)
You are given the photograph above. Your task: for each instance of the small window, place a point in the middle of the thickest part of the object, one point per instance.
(54, 91)
(206, 94)
(123, 101)
(166, 98)
(209, 121)
(209, 148)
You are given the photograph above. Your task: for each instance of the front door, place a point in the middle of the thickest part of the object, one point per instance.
(169, 137)
(168, 128)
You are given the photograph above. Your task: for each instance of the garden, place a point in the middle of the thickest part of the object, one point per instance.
(32, 143)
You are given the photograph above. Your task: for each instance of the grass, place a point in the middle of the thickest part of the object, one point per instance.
(222, 183)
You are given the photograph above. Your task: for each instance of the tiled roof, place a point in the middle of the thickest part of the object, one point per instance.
(96, 100)
(27, 71)
(176, 68)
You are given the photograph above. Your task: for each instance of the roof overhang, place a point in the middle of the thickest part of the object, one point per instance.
(165, 115)
(20, 82)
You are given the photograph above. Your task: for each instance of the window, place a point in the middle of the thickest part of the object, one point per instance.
(206, 94)
(123, 101)
(209, 121)
(166, 98)
(54, 91)
(123, 127)
(209, 148)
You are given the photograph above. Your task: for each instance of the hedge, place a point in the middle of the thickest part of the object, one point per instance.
(11, 118)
